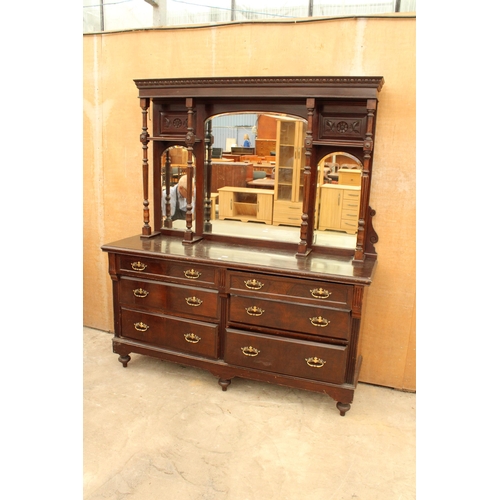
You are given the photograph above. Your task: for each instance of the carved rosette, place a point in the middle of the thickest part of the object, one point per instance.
(173, 123)
(342, 128)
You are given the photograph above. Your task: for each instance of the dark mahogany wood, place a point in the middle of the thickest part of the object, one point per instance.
(281, 313)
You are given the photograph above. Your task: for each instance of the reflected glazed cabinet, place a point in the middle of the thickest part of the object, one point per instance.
(287, 313)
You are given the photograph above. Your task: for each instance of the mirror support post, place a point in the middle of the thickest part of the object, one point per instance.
(190, 139)
(209, 140)
(146, 228)
(304, 225)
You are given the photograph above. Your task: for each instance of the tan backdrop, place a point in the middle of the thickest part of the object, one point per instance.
(342, 47)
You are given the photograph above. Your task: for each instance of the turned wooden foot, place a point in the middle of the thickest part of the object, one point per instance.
(124, 360)
(343, 407)
(224, 383)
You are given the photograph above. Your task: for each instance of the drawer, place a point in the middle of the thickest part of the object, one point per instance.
(289, 317)
(142, 294)
(192, 302)
(188, 336)
(331, 294)
(349, 177)
(349, 214)
(142, 265)
(349, 225)
(185, 271)
(287, 212)
(309, 360)
(351, 197)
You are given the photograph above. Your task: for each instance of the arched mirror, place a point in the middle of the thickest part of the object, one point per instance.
(257, 163)
(174, 163)
(338, 197)
(256, 175)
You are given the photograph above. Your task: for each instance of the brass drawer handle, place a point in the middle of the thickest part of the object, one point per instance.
(319, 321)
(315, 362)
(320, 293)
(254, 311)
(192, 274)
(253, 284)
(192, 338)
(141, 327)
(250, 351)
(141, 293)
(194, 301)
(138, 266)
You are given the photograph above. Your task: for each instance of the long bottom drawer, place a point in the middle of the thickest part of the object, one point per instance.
(310, 360)
(194, 337)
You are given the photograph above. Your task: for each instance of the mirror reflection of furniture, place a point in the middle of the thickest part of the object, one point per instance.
(290, 162)
(216, 152)
(337, 203)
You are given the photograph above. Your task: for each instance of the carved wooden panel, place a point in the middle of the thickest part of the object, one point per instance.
(173, 123)
(341, 127)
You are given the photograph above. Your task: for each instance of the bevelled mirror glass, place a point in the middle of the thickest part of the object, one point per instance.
(257, 182)
(257, 175)
(338, 200)
(174, 163)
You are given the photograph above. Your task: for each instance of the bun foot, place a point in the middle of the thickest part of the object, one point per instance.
(224, 383)
(124, 360)
(343, 407)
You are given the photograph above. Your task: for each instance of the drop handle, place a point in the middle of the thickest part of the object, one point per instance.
(138, 266)
(141, 327)
(253, 284)
(250, 351)
(319, 321)
(192, 274)
(315, 362)
(254, 311)
(193, 301)
(141, 293)
(191, 338)
(320, 293)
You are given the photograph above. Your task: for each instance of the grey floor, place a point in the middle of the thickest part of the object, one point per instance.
(159, 431)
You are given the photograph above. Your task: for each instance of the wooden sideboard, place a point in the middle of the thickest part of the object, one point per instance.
(238, 313)
(231, 174)
(246, 204)
(274, 310)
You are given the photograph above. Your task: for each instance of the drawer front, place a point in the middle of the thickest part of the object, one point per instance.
(143, 265)
(142, 294)
(192, 302)
(349, 225)
(287, 212)
(351, 198)
(348, 214)
(193, 273)
(257, 285)
(188, 272)
(308, 360)
(188, 336)
(289, 317)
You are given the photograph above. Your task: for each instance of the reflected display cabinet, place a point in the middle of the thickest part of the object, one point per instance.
(247, 298)
(289, 172)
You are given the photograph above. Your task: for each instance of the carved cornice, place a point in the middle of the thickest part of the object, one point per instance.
(331, 81)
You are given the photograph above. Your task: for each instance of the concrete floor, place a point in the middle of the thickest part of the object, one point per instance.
(158, 431)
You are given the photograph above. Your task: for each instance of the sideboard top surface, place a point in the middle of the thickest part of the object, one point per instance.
(282, 262)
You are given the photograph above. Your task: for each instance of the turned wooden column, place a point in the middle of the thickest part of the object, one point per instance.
(308, 143)
(209, 140)
(146, 228)
(190, 139)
